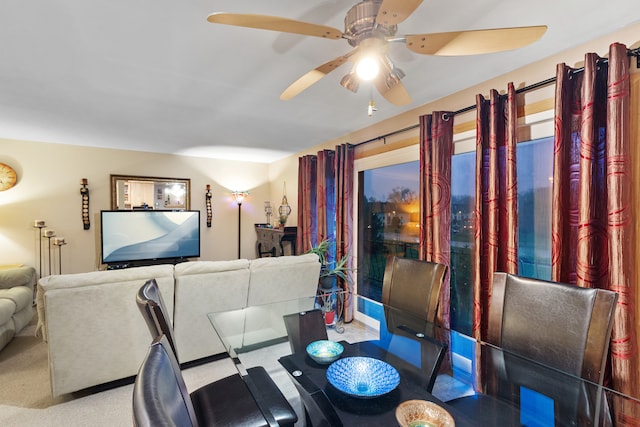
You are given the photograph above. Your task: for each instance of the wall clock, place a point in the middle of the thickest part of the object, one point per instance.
(8, 177)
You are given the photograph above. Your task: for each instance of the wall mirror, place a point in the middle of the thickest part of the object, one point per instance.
(129, 192)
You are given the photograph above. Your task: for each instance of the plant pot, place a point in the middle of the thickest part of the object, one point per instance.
(328, 282)
(329, 317)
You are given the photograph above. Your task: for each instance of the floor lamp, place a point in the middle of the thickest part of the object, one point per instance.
(239, 196)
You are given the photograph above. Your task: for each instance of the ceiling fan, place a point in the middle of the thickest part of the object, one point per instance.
(369, 27)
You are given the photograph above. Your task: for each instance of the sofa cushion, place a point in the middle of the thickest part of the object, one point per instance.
(22, 296)
(16, 300)
(7, 308)
(19, 276)
(283, 278)
(203, 267)
(95, 279)
(203, 287)
(7, 332)
(23, 317)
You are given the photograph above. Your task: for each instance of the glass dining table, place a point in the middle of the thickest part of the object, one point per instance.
(531, 393)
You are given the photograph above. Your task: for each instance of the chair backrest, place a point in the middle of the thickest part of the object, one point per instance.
(160, 396)
(153, 310)
(413, 286)
(432, 353)
(318, 408)
(563, 326)
(304, 328)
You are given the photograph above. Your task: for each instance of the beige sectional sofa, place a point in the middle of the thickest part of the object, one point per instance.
(96, 334)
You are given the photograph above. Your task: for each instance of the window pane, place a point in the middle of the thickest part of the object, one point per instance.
(463, 182)
(535, 172)
(535, 178)
(388, 222)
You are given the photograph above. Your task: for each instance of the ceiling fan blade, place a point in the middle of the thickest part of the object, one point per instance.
(474, 42)
(274, 23)
(393, 12)
(313, 76)
(397, 95)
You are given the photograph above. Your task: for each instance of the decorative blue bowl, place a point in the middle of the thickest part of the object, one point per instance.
(324, 351)
(363, 377)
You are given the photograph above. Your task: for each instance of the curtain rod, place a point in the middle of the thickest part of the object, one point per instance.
(631, 52)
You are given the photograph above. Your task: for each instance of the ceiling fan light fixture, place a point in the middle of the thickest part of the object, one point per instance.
(398, 73)
(393, 77)
(391, 80)
(367, 68)
(390, 75)
(351, 82)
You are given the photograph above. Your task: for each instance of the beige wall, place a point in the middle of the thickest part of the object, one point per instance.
(48, 188)
(49, 175)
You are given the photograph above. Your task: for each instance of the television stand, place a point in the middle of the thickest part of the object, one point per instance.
(145, 263)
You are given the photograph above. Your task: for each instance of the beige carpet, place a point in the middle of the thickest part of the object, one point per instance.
(24, 374)
(25, 396)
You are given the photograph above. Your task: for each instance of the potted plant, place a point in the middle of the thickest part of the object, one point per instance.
(330, 270)
(328, 312)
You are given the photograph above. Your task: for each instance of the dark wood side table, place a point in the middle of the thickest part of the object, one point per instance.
(272, 241)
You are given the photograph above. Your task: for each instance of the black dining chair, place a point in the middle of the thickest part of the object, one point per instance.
(160, 396)
(152, 306)
(564, 327)
(432, 352)
(413, 286)
(304, 328)
(225, 402)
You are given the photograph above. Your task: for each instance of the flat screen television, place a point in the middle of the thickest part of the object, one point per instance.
(149, 236)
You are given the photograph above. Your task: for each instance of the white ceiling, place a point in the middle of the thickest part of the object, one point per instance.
(154, 75)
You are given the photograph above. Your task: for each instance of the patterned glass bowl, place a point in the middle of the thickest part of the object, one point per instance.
(324, 351)
(363, 377)
(421, 413)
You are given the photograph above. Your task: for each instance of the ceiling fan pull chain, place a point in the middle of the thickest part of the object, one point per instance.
(372, 106)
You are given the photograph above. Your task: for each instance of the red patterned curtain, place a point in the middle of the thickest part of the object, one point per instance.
(436, 149)
(496, 216)
(307, 221)
(325, 206)
(344, 215)
(326, 200)
(593, 242)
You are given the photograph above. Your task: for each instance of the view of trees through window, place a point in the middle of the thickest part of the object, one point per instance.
(463, 221)
(388, 222)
